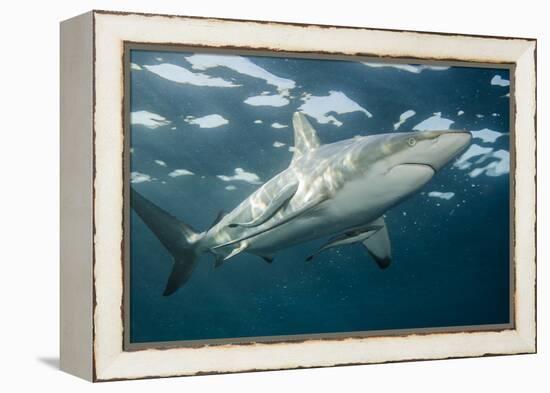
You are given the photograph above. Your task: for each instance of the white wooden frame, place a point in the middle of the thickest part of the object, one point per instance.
(92, 194)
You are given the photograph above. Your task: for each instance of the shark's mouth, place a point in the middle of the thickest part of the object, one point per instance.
(419, 164)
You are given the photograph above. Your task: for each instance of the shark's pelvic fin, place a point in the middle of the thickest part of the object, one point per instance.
(268, 258)
(221, 255)
(305, 136)
(237, 250)
(278, 201)
(307, 206)
(348, 237)
(379, 245)
(178, 238)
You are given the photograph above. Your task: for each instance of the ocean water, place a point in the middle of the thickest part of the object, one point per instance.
(208, 130)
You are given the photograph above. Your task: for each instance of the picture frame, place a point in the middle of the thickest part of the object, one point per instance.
(95, 211)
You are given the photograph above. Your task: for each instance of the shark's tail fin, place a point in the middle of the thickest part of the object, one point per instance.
(178, 238)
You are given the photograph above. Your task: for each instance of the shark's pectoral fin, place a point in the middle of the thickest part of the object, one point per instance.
(278, 201)
(290, 216)
(349, 237)
(379, 245)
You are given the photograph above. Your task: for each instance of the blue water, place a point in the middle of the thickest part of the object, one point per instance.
(450, 256)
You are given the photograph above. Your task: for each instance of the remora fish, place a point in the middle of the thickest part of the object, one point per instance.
(341, 189)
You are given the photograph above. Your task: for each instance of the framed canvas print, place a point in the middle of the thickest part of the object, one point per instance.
(245, 195)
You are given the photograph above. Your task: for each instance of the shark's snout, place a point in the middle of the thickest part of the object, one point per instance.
(437, 152)
(449, 144)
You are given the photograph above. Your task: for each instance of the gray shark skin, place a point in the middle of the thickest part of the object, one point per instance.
(340, 189)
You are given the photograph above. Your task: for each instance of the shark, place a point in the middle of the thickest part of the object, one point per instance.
(338, 191)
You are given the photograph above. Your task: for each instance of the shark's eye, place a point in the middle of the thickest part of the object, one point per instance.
(411, 141)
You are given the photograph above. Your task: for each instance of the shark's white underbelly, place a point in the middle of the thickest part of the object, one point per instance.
(351, 207)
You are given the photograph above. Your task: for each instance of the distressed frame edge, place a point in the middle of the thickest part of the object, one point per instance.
(525, 339)
(525, 195)
(299, 338)
(76, 196)
(302, 24)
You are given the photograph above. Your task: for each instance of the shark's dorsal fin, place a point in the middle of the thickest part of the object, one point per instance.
(305, 136)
